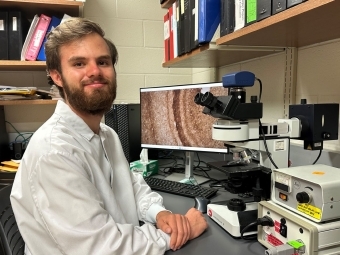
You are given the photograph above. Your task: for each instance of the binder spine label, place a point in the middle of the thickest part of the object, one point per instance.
(14, 24)
(166, 30)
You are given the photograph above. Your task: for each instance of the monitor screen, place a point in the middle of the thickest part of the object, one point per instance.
(170, 119)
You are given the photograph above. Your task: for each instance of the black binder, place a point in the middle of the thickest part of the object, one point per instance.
(181, 29)
(187, 24)
(17, 31)
(4, 35)
(193, 25)
(264, 9)
(227, 17)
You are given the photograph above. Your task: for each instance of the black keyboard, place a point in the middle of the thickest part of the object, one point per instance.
(178, 188)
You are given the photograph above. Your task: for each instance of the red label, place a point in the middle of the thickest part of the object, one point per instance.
(209, 212)
(273, 240)
(277, 226)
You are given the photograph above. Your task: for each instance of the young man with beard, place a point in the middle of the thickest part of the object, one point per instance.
(74, 192)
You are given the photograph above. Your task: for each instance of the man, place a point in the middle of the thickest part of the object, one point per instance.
(74, 192)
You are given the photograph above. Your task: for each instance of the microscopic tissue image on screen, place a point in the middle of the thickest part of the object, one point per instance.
(170, 119)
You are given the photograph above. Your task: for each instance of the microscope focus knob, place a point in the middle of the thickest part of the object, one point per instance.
(303, 197)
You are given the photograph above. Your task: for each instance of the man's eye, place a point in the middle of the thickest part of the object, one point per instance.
(103, 63)
(78, 64)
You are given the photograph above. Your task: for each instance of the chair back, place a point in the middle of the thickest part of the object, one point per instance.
(11, 239)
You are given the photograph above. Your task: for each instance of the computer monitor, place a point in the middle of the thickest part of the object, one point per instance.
(170, 119)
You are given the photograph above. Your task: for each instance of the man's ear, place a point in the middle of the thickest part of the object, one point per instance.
(56, 77)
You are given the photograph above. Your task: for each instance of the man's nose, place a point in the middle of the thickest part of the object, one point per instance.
(93, 70)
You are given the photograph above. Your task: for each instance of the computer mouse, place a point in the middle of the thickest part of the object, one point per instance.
(201, 204)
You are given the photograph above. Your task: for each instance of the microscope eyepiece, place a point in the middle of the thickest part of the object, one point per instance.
(198, 99)
(209, 100)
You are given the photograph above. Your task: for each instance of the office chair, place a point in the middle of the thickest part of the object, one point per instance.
(11, 239)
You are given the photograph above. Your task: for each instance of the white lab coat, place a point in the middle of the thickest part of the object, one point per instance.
(75, 194)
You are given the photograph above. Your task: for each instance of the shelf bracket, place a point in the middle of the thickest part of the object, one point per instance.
(214, 46)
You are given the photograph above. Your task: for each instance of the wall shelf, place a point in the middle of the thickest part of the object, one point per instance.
(17, 65)
(212, 55)
(167, 4)
(28, 102)
(47, 7)
(310, 22)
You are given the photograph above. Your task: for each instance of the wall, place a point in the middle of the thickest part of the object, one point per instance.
(136, 28)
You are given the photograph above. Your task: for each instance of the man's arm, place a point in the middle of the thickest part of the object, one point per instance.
(181, 228)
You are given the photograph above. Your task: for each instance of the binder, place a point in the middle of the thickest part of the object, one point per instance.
(291, 3)
(264, 9)
(196, 44)
(37, 38)
(17, 31)
(240, 18)
(209, 17)
(251, 12)
(193, 23)
(180, 29)
(171, 40)
(29, 36)
(54, 22)
(174, 28)
(166, 37)
(187, 23)
(227, 17)
(4, 35)
(278, 6)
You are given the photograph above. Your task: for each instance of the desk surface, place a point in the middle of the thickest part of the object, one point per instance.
(213, 241)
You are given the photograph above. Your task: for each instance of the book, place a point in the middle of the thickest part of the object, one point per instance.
(17, 32)
(54, 22)
(37, 38)
(4, 35)
(166, 37)
(209, 18)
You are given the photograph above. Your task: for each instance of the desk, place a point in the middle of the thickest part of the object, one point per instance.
(215, 240)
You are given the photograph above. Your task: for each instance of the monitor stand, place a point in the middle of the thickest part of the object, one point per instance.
(188, 176)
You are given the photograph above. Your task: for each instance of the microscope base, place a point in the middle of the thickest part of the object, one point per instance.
(234, 222)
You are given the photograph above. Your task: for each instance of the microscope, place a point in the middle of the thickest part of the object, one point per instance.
(258, 147)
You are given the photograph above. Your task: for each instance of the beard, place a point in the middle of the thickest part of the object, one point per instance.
(96, 103)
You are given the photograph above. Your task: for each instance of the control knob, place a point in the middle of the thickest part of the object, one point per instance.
(303, 197)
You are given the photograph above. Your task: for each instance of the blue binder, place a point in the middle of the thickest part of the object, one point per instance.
(54, 22)
(209, 17)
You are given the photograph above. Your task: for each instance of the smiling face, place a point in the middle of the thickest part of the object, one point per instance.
(87, 75)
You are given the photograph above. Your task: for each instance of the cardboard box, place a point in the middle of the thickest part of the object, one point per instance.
(148, 169)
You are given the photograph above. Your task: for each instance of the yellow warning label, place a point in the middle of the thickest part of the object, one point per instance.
(310, 210)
